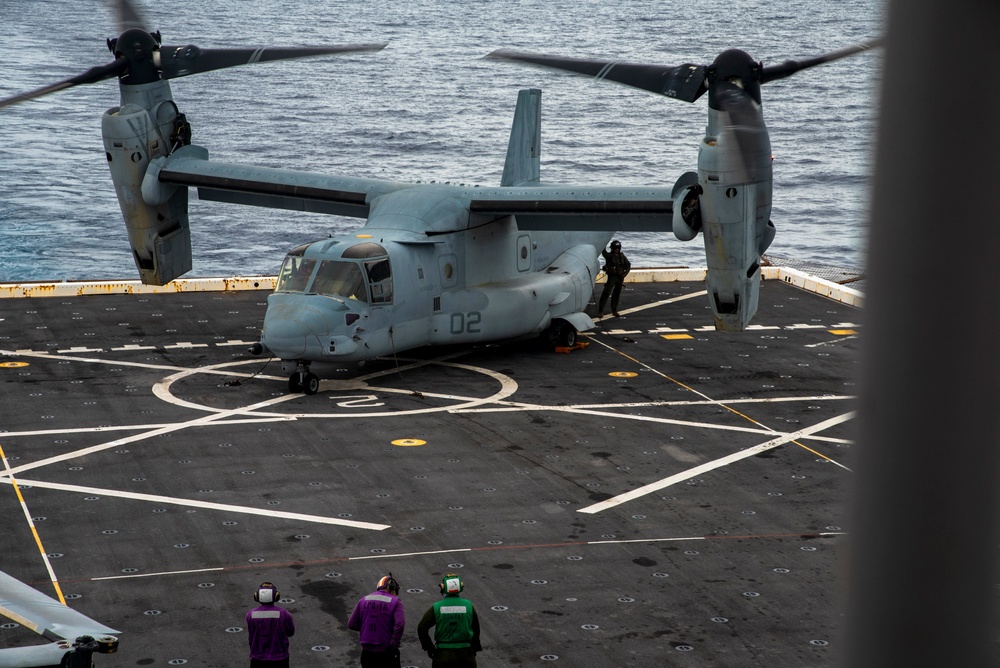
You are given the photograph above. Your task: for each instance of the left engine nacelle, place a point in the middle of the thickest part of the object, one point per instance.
(158, 231)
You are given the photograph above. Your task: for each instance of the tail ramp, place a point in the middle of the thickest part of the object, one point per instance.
(524, 149)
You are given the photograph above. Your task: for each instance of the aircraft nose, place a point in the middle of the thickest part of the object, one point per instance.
(293, 331)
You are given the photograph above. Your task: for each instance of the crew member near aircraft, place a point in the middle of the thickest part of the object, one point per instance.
(380, 618)
(456, 628)
(616, 266)
(270, 626)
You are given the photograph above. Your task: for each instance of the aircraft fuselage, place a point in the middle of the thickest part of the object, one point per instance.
(390, 287)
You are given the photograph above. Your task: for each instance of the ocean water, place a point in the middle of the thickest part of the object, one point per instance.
(427, 107)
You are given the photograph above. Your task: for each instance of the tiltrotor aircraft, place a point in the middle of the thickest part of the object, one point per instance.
(437, 263)
(729, 197)
(67, 630)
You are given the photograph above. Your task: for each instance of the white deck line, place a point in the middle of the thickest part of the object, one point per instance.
(794, 277)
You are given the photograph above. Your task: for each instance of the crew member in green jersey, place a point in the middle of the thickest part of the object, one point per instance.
(456, 628)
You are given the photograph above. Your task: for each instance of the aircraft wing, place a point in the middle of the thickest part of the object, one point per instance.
(567, 208)
(579, 208)
(267, 186)
(44, 615)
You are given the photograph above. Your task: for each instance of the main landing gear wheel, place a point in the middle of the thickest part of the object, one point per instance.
(306, 382)
(567, 336)
(561, 334)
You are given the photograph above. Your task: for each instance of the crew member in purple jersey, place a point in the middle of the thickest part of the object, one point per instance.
(380, 618)
(270, 627)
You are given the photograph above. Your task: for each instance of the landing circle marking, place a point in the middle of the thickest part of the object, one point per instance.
(13, 365)
(163, 391)
(623, 374)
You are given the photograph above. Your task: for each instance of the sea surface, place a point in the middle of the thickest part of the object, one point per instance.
(427, 107)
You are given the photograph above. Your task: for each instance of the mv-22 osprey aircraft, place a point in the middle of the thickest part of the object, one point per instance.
(441, 263)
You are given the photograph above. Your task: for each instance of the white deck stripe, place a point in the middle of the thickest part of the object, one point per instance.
(206, 505)
(718, 463)
(150, 575)
(150, 434)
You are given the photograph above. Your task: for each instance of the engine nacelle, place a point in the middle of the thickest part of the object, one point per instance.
(158, 231)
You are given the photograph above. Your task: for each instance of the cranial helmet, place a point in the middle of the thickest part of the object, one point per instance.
(389, 584)
(266, 593)
(451, 584)
(616, 245)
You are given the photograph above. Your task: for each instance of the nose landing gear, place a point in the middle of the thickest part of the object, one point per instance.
(303, 380)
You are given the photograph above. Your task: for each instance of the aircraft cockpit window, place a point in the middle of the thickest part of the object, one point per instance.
(340, 279)
(380, 280)
(364, 251)
(294, 274)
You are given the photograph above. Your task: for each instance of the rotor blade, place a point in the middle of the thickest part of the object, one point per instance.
(744, 140)
(790, 67)
(44, 615)
(684, 82)
(180, 61)
(128, 16)
(93, 75)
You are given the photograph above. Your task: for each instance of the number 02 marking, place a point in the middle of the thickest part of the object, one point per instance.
(466, 323)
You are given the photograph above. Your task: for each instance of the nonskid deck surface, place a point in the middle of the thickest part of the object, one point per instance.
(668, 495)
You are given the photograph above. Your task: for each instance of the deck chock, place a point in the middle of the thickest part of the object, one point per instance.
(579, 345)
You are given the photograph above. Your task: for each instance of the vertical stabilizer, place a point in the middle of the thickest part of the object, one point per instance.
(524, 148)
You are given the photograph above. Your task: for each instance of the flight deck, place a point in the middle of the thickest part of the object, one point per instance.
(665, 494)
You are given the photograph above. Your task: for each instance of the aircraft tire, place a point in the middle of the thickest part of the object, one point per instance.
(560, 334)
(567, 335)
(310, 383)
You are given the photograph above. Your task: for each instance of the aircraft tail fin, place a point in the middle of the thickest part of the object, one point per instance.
(524, 148)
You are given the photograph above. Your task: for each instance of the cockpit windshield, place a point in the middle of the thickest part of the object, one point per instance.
(294, 274)
(340, 279)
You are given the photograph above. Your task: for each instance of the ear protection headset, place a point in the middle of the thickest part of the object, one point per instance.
(616, 244)
(266, 593)
(451, 584)
(388, 583)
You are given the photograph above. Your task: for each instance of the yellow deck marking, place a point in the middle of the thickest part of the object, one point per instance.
(13, 365)
(34, 531)
(408, 442)
(842, 332)
(623, 374)
(676, 337)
